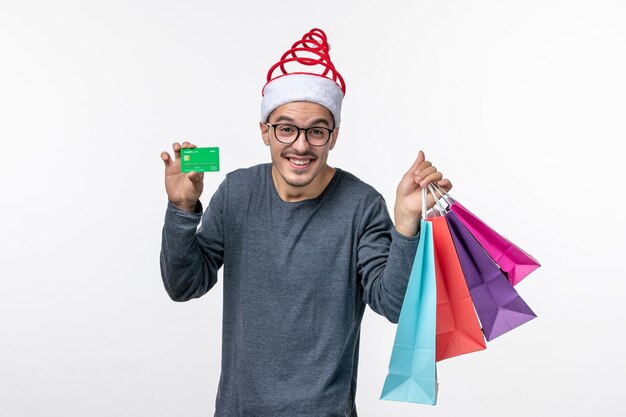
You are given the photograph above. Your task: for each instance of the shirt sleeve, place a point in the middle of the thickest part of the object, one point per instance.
(191, 255)
(384, 261)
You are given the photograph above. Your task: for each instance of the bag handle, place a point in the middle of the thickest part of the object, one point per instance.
(441, 209)
(424, 204)
(444, 194)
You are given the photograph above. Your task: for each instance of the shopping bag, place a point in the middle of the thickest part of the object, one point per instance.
(412, 373)
(458, 329)
(516, 263)
(498, 305)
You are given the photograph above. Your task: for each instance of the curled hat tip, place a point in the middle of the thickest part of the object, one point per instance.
(312, 50)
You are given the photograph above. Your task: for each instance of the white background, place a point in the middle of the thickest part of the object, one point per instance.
(520, 103)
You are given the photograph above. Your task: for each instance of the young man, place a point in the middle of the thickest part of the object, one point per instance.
(304, 247)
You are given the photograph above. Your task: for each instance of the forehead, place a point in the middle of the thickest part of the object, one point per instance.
(302, 112)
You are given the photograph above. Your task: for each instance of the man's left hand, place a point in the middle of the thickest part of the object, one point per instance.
(408, 208)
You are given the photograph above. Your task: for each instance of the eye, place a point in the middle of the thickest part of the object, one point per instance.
(317, 131)
(285, 128)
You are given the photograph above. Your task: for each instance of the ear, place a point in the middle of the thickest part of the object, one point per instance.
(333, 138)
(265, 133)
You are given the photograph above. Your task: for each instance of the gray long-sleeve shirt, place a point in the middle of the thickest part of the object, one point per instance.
(296, 280)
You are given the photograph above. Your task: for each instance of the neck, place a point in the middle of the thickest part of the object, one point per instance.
(292, 194)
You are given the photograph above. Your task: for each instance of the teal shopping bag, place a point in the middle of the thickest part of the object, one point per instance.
(412, 373)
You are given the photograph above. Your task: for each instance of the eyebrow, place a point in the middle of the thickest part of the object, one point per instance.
(313, 123)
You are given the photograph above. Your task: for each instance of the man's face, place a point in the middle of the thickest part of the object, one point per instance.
(299, 164)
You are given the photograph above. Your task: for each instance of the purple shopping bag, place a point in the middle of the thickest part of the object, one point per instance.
(498, 305)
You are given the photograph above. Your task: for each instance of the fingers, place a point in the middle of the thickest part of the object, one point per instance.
(424, 173)
(177, 147)
(433, 177)
(445, 184)
(166, 158)
(427, 174)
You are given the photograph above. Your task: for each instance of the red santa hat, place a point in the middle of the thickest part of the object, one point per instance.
(316, 80)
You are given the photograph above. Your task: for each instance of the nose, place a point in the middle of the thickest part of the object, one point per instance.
(301, 144)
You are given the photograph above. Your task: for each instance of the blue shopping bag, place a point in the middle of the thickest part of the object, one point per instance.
(412, 372)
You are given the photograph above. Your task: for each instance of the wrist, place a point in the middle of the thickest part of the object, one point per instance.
(407, 224)
(188, 207)
(407, 231)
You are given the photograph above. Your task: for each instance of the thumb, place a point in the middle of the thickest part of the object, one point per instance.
(195, 177)
(420, 158)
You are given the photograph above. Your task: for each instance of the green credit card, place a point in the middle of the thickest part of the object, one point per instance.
(200, 159)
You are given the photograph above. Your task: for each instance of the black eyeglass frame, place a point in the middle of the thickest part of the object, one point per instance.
(306, 131)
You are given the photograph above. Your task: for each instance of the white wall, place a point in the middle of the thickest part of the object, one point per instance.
(520, 103)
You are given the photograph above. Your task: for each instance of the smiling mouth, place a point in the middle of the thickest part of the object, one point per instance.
(300, 162)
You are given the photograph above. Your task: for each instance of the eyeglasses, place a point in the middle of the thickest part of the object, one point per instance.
(315, 135)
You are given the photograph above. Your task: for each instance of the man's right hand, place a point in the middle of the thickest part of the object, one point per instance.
(183, 188)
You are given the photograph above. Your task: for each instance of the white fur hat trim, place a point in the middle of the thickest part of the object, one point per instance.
(302, 87)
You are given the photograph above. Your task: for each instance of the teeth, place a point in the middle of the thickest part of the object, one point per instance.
(300, 162)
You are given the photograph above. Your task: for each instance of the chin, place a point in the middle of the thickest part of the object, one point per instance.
(296, 178)
(297, 181)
